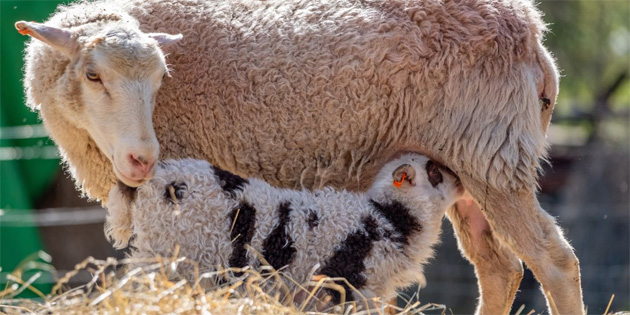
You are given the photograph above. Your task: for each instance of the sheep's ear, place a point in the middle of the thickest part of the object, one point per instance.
(404, 175)
(58, 38)
(166, 40)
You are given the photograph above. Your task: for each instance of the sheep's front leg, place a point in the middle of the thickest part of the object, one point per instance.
(499, 271)
(518, 222)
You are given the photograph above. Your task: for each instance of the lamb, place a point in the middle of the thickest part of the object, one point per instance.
(377, 240)
(310, 94)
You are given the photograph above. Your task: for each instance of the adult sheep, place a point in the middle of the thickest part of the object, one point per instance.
(311, 94)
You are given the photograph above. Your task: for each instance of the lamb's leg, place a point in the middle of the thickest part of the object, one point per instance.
(498, 270)
(518, 221)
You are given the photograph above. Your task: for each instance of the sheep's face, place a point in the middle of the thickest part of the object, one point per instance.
(109, 89)
(417, 180)
(120, 73)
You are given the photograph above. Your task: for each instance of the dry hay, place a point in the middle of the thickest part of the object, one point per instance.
(152, 286)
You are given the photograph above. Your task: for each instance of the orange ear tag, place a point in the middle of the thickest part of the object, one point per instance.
(397, 184)
(26, 31)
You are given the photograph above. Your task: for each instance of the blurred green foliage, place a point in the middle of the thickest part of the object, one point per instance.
(22, 181)
(591, 42)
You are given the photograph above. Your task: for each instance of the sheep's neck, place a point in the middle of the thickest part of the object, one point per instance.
(91, 170)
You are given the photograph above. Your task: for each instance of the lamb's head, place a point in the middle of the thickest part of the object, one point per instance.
(415, 179)
(188, 185)
(109, 88)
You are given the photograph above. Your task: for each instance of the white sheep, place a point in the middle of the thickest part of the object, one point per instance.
(378, 240)
(107, 73)
(313, 94)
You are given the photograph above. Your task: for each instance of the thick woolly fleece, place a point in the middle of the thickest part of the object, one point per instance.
(311, 93)
(378, 240)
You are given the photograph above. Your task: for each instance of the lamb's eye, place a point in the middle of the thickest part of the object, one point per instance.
(93, 76)
(434, 174)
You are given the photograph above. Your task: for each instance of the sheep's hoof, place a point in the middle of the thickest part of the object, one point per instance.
(175, 192)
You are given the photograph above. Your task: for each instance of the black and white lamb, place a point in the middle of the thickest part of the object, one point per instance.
(377, 240)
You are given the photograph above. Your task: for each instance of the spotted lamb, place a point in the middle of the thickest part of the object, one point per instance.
(378, 240)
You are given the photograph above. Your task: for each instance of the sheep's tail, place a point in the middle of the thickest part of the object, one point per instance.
(118, 227)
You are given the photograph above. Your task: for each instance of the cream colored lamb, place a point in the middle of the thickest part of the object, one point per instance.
(378, 240)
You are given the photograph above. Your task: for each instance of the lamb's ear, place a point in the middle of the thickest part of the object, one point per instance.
(404, 175)
(60, 39)
(166, 40)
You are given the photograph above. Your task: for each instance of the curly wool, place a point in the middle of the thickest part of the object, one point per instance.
(337, 86)
(377, 240)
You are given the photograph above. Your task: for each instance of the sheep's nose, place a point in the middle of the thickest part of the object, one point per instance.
(141, 163)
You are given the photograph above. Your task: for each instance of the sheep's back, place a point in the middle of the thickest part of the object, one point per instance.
(300, 229)
(311, 94)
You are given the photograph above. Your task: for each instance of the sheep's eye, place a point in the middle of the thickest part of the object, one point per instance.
(92, 76)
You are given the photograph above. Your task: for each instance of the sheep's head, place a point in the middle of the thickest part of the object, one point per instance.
(417, 180)
(109, 88)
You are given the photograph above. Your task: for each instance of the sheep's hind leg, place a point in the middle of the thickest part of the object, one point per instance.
(498, 270)
(518, 221)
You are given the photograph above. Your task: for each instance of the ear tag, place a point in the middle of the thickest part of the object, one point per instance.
(397, 183)
(26, 31)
